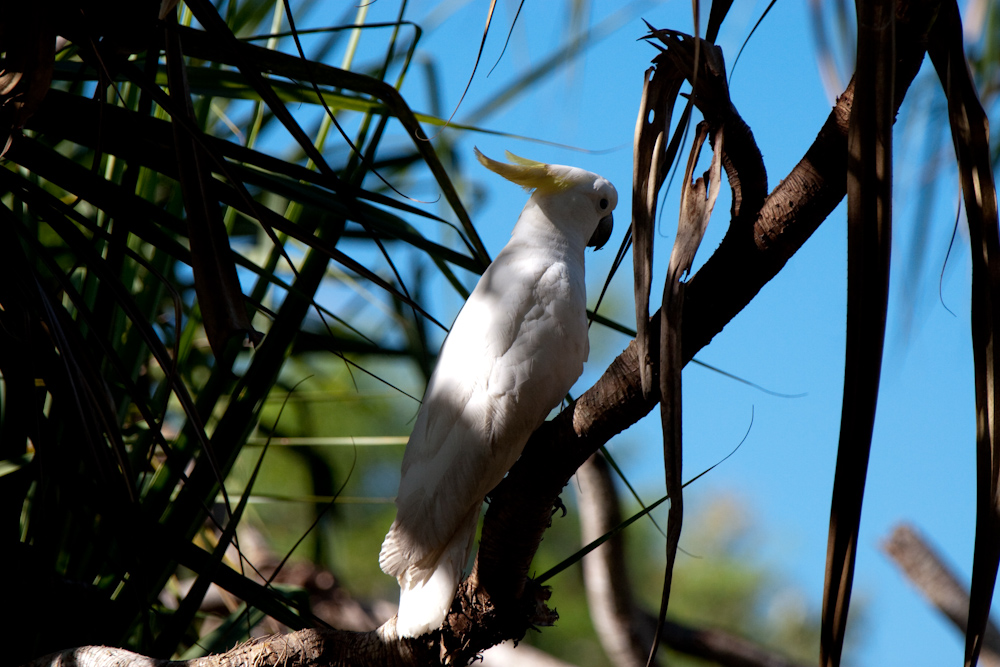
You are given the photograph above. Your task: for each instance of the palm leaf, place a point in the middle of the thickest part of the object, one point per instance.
(869, 215)
(970, 134)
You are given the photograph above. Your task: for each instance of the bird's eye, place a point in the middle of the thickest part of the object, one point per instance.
(604, 204)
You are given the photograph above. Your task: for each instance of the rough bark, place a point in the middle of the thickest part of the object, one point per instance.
(305, 648)
(935, 580)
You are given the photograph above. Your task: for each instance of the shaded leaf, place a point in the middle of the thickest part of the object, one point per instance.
(661, 84)
(970, 133)
(869, 220)
(215, 281)
(697, 201)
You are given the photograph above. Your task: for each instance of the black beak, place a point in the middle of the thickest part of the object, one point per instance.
(602, 233)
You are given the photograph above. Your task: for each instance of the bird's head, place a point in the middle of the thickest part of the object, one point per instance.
(589, 198)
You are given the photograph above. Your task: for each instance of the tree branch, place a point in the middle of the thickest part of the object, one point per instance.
(744, 262)
(625, 630)
(498, 601)
(613, 610)
(934, 579)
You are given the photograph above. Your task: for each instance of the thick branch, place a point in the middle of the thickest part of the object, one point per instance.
(741, 266)
(749, 257)
(305, 648)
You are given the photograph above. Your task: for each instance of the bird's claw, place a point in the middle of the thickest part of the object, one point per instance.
(557, 504)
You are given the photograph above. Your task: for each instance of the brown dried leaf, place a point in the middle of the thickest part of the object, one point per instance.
(869, 220)
(661, 85)
(970, 133)
(697, 201)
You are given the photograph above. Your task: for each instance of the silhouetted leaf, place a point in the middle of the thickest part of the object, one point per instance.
(869, 219)
(970, 133)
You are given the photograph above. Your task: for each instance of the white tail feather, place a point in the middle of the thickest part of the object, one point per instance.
(423, 606)
(426, 593)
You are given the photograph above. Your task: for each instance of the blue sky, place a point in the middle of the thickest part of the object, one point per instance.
(791, 337)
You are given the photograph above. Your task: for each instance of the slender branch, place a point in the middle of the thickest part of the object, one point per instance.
(626, 631)
(741, 157)
(935, 580)
(721, 647)
(613, 610)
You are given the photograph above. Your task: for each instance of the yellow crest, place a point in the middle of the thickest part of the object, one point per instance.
(529, 174)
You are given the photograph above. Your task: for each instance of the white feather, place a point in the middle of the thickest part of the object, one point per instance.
(513, 353)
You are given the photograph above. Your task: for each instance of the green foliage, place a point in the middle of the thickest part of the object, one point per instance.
(155, 219)
(182, 193)
(721, 584)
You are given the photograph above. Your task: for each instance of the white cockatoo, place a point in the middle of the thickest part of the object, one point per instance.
(513, 353)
